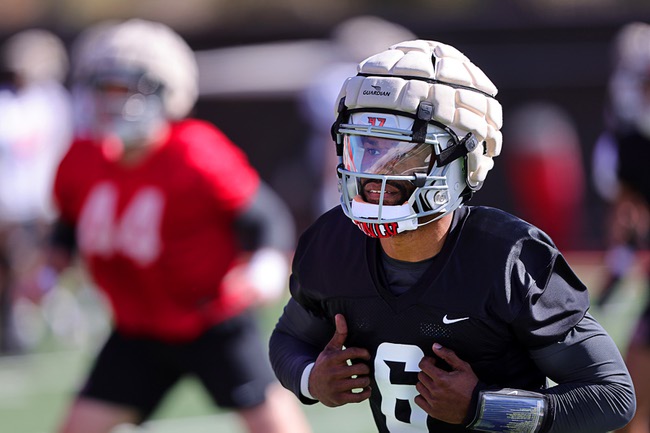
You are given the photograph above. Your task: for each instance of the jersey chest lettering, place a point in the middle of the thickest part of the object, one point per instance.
(135, 234)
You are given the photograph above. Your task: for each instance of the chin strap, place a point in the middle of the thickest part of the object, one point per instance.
(367, 211)
(383, 230)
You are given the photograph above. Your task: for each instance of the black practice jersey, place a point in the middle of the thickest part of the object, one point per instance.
(497, 290)
(633, 155)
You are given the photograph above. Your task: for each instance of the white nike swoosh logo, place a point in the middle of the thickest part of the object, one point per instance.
(448, 321)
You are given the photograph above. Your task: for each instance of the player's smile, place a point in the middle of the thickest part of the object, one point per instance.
(396, 192)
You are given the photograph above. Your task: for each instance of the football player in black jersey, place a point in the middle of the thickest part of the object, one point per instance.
(446, 317)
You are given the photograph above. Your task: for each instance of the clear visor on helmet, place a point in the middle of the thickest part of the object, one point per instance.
(373, 155)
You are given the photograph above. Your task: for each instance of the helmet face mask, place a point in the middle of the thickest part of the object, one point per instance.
(390, 184)
(127, 105)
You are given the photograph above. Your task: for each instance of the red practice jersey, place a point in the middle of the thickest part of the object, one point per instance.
(157, 237)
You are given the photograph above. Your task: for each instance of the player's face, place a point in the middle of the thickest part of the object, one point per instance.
(383, 156)
(122, 113)
(111, 101)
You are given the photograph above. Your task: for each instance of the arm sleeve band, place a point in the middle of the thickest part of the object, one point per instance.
(509, 411)
(594, 391)
(296, 342)
(266, 223)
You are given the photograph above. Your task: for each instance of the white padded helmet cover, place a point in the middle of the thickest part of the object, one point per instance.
(414, 71)
(153, 47)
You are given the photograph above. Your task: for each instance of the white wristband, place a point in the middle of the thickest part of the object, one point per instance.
(269, 271)
(304, 382)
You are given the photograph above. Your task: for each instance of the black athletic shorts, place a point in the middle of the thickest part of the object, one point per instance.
(230, 360)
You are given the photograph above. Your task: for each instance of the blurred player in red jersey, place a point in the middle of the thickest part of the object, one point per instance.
(177, 230)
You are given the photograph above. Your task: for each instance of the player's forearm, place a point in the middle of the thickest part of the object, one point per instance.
(296, 342)
(266, 223)
(289, 358)
(590, 408)
(594, 391)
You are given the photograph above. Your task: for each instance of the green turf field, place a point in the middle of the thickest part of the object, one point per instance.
(35, 389)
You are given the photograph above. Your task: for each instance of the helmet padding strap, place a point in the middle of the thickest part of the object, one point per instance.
(423, 117)
(464, 146)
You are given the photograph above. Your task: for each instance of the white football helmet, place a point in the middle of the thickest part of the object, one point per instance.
(416, 132)
(36, 55)
(152, 65)
(629, 85)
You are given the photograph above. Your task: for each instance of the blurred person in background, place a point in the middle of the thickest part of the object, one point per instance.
(622, 177)
(545, 158)
(177, 230)
(444, 317)
(352, 41)
(35, 132)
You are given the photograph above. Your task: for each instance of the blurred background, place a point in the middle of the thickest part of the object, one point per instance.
(256, 58)
(268, 80)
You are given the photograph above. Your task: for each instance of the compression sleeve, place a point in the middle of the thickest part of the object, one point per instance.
(296, 341)
(594, 391)
(266, 222)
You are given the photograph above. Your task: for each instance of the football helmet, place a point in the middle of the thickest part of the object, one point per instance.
(35, 55)
(629, 86)
(416, 132)
(141, 74)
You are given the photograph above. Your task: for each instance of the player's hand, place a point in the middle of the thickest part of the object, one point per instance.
(445, 395)
(331, 380)
(238, 287)
(258, 279)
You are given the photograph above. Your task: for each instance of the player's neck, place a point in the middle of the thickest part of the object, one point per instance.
(420, 244)
(135, 155)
